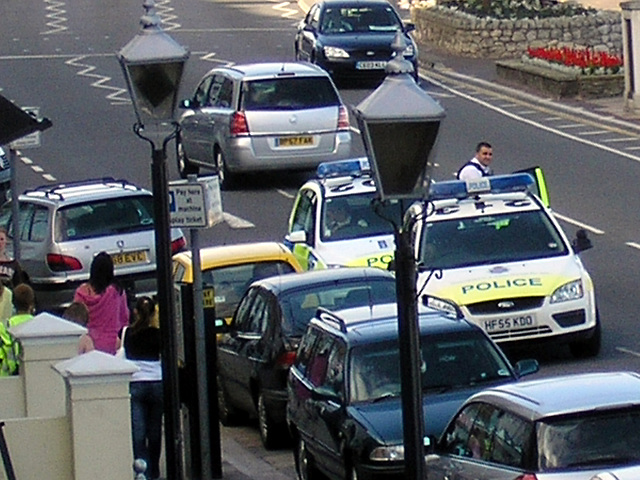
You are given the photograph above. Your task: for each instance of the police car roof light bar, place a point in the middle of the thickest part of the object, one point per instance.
(344, 168)
(496, 184)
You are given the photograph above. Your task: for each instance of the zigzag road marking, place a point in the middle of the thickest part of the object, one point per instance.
(286, 10)
(115, 97)
(58, 17)
(236, 222)
(164, 12)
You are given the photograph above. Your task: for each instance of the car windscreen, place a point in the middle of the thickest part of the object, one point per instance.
(104, 217)
(448, 361)
(590, 440)
(359, 19)
(300, 306)
(489, 239)
(288, 93)
(356, 216)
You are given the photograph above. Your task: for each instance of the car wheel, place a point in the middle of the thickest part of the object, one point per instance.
(590, 347)
(185, 167)
(227, 414)
(305, 466)
(270, 431)
(224, 176)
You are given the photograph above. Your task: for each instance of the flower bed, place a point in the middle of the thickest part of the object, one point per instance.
(560, 84)
(582, 61)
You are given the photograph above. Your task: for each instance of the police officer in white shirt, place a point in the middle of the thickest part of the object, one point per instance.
(479, 165)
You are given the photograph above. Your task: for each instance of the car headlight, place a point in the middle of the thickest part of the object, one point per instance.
(335, 52)
(568, 291)
(409, 51)
(389, 453)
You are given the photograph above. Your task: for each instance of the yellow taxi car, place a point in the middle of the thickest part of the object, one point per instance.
(228, 270)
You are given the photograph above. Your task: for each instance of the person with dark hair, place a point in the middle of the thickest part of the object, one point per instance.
(11, 272)
(106, 302)
(142, 347)
(479, 165)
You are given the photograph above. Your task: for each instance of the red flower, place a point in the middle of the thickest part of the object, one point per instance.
(585, 58)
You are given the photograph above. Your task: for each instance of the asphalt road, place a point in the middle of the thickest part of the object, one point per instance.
(59, 56)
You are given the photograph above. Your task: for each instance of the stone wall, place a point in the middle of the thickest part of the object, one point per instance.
(470, 36)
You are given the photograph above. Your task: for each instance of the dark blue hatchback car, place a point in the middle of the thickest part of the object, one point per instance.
(344, 407)
(352, 38)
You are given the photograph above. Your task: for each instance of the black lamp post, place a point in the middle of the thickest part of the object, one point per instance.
(153, 63)
(399, 124)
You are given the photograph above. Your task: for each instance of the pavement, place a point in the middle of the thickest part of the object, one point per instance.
(242, 461)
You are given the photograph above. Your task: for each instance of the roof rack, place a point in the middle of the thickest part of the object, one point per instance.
(495, 184)
(52, 190)
(327, 316)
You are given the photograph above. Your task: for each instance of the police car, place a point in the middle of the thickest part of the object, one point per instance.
(334, 222)
(493, 247)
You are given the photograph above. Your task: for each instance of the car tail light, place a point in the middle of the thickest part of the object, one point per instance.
(239, 124)
(178, 245)
(62, 263)
(343, 118)
(527, 476)
(286, 359)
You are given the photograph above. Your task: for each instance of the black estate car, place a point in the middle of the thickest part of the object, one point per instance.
(344, 410)
(254, 356)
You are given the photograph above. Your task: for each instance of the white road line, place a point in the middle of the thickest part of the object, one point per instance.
(552, 119)
(594, 230)
(594, 132)
(633, 245)
(632, 148)
(49, 178)
(533, 123)
(236, 222)
(284, 194)
(37, 168)
(626, 350)
(57, 17)
(286, 10)
(570, 125)
(622, 139)
(525, 112)
(117, 95)
(26, 160)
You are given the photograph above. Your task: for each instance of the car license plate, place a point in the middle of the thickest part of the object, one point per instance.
(509, 323)
(129, 258)
(294, 141)
(371, 65)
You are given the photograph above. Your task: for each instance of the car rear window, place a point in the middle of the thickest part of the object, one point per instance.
(103, 218)
(292, 93)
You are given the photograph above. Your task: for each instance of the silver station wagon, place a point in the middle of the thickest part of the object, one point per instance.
(63, 226)
(262, 117)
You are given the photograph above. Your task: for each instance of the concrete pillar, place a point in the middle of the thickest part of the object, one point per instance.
(631, 53)
(98, 405)
(46, 340)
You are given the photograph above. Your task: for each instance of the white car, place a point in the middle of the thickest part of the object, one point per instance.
(333, 221)
(493, 247)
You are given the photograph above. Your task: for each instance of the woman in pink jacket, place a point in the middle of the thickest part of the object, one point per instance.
(106, 302)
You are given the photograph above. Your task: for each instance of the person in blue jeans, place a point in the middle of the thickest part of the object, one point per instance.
(142, 347)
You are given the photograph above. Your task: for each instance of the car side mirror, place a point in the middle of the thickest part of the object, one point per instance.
(526, 367)
(308, 28)
(582, 241)
(326, 394)
(299, 236)
(409, 27)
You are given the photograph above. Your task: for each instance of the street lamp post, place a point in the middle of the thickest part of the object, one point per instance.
(399, 124)
(152, 63)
